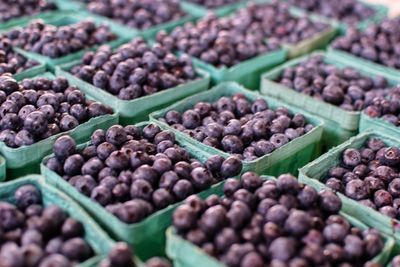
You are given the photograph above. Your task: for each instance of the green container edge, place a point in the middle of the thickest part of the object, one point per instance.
(283, 159)
(314, 171)
(146, 236)
(186, 254)
(17, 158)
(97, 238)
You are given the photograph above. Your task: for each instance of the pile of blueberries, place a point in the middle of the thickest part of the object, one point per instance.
(237, 125)
(386, 105)
(369, 175)
(134, 69)
(138, 14)
(342, 87)
(11, 62)
(57, 41)
(275, 223)
(121, 255)
(214, 3)
(345, 11)
(10, 9)
(38, 108)
(379, 43)
(34, 235)
(229, 40)
(134, 172)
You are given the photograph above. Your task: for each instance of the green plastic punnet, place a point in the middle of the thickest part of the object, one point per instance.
(247, 72)
(378, 124)
(96, 237)
(68, 19)
(318, 41)
(367, 64)
(314, 172)
(147, 236)
(137, 110)
(186, 254)
(26, 159)
(340, 124)
(287, 158)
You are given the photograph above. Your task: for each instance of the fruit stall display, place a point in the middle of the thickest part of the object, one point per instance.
(187, 133)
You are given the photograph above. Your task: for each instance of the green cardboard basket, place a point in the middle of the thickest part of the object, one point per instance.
(340, 124)
(66, 19)
(248, 72)
(378, 124)
(138, 109)
(287, 158)
(24, 160)
(314, 172)
(147, 236)
(187, 254)
(97, 238)
(318, 41)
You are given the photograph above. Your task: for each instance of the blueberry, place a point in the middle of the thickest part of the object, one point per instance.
(231, 167)
(104, 150)
(67, 122)
(55, 260)
(140, 188)
(162, 198)
(76, 249)
(117, 160)
(92, 167)
(282, 248)
(26, 196)
(72, 228)
(201, 178)
(73, 164)
(121, 255)
(116, 135)
(330, 202)
(182, 189)
(36, 123)
(85, 184)
(64, 147)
